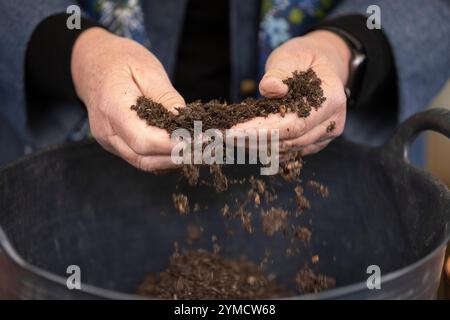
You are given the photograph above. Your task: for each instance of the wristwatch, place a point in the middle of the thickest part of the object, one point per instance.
(357, 63)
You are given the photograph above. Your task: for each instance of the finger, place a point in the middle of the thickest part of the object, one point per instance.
(447, 269)
(290, 126)
(272, 86)
(314, 148)
(283, 157)
(154, 83)
(317, 134)
(335, 102)
(140, 137)
(333, 107)
(145, 163)
(279, 67)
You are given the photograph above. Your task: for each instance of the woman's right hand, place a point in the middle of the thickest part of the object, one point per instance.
(110, 73)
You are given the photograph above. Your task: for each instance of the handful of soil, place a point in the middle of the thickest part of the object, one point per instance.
(199, 274)
(304, 94)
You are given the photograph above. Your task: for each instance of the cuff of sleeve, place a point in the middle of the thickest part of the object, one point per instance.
(48, 57)
(379, 81)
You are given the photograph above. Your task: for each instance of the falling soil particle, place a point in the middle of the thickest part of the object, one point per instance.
(257, 200)
(191, 173)
(194, 233)
(269, 197)
(258, 185)
(220, 181)
(302, 233)
(315, 259)
(265, 259)
(289, 252)
(245, 216)
(199, 274)
(319, 188)
(304, 94)
(290, 169)
(226, 211)
(274, 220)
(301, 201)
(196, 207)
(181, 203)
(308, 282)
(216, 246)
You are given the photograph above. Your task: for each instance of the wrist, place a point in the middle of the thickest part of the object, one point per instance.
(337, 51)
(84, 52)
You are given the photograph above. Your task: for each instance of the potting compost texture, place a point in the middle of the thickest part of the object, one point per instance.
(200, 274)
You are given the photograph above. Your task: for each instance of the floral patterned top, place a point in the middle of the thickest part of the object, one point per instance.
(123, 17)
(280, 19)
(284, 19)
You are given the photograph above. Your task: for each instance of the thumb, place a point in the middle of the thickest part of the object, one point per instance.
(156, 85)
(271, 85)
(166, 94)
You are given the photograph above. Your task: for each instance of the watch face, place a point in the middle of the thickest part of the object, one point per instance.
(355, 77)
(358, 59)
(348, 92)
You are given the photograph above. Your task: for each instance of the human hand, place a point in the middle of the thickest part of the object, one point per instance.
(329, 56)
(110, 73)
(447, 269)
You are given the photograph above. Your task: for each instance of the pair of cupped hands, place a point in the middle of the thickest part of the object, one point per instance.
(111, 72)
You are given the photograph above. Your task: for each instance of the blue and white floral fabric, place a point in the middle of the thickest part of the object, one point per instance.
(122, 17)
(282, 20)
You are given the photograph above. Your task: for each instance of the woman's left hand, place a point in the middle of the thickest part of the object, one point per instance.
(329, 56)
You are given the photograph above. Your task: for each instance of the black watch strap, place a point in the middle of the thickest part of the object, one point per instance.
(373, 84)
(357, 63)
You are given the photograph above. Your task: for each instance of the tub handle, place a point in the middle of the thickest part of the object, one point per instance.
(435, 119)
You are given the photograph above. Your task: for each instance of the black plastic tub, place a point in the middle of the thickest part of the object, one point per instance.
(79, 205)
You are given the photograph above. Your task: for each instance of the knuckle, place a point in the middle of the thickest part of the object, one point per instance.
(169, 97)
(139, 145)
(339, 130)
(295, 130)
(146, 164)
(102, 140)
(141, 164)
(96, 132)
(153, 78)
(300, 127)
(305, 151)
(323, 144)
(340, 97)
(313, 149)
(340, 124)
